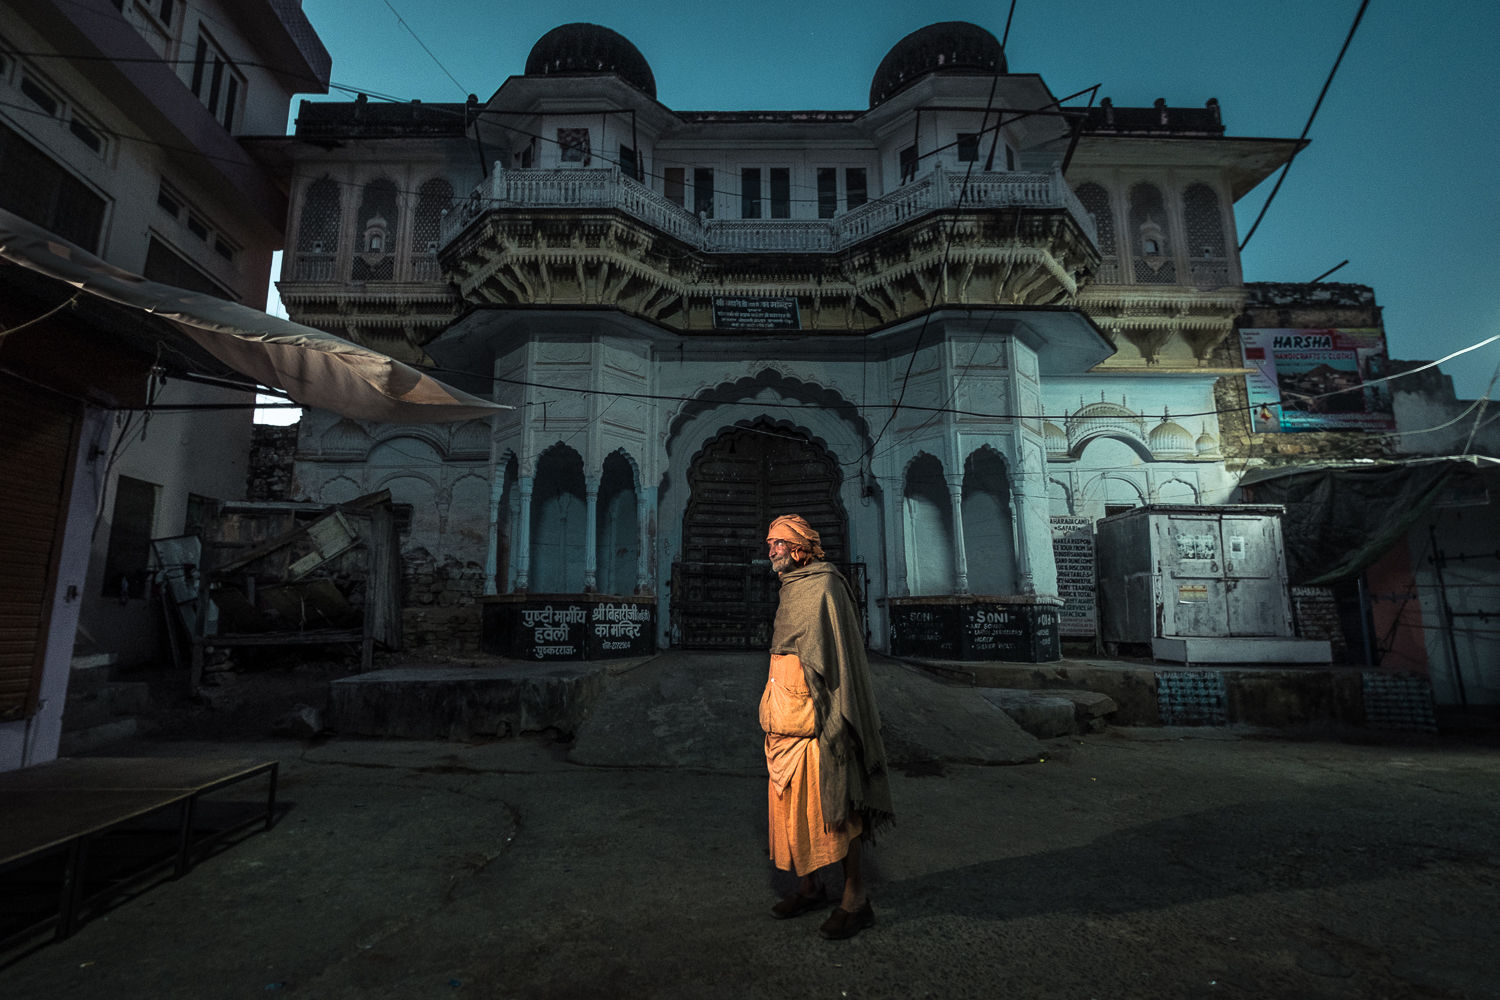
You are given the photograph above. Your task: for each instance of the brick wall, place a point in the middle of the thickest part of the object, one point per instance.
(439, 609)
(272, 448)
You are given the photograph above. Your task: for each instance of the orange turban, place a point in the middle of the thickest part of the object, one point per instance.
(794, 529)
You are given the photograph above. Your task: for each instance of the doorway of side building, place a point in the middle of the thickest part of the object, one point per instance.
(723, 591)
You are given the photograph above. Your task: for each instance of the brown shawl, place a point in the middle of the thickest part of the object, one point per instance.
(816, 619)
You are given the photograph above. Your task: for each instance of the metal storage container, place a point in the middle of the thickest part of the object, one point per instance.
(1204, 584)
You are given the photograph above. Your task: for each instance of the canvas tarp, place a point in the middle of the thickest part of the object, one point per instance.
(1342, 518)
(314, 368)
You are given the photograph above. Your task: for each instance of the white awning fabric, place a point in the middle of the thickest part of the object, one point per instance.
(314, 368)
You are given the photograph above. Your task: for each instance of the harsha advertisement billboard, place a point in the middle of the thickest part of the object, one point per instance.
(1317, 380)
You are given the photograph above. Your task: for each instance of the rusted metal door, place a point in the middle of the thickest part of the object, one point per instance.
(723, 591)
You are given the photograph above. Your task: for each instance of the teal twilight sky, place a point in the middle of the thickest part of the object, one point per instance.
(1399, 178)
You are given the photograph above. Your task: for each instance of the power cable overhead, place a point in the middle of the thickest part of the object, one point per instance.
(425, 49)
(1308, 127)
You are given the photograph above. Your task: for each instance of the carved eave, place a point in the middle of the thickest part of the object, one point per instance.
(399, 318)
(1166, 327)
(1020, 257)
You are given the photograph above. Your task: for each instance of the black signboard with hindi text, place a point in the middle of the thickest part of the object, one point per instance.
(568, 626)
(755, 312)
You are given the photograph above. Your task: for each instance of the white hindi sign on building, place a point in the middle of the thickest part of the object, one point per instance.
(1073, 548)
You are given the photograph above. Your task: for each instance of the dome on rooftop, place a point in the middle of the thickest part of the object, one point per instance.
(581, 48)
(945, 47)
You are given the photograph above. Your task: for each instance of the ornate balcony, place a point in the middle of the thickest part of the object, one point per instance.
(583, 190)
(596, 238)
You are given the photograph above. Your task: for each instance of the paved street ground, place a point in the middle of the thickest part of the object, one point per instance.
(630, 862)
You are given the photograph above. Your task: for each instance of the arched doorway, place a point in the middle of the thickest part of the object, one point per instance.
(723, 591)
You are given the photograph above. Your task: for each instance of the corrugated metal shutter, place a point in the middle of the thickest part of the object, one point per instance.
(36, 460)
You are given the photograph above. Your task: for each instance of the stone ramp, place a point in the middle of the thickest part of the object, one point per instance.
(698, 710)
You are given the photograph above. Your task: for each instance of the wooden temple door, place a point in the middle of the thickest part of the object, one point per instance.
(723, 590)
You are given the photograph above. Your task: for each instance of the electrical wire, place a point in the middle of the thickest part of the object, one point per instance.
(1479, 417)
(425, 49)
(6, 332)
(1308, 127)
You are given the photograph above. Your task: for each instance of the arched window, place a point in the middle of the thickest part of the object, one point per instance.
(617, 533)
(1096, 201)
(318, 229)
(558, 522)
(929, 529)
(989, 538)
(378, 212)
(1152, 263)
(433, 198)
(1208, 250)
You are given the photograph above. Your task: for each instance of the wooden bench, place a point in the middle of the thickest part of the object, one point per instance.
(59, 820)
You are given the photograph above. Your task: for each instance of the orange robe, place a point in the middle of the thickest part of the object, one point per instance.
(800, 841)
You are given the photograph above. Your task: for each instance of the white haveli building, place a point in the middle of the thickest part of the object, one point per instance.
(929, 326)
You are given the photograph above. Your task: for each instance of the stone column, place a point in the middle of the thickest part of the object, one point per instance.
(523, 539)
(898, 579)
(960, 554)
(644, 510)
(513, 521)
(1028, 481)
(591, 537)
(492, 567)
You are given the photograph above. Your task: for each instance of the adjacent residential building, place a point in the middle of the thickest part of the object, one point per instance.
(931, 325)
(120, 126)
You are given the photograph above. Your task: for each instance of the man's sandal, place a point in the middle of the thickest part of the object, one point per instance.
(843, 924)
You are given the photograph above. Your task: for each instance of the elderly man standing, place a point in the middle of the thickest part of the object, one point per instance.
(829, 788)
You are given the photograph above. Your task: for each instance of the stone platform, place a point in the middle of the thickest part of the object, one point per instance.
(1281, 696)
(468, 702)
(509, 697)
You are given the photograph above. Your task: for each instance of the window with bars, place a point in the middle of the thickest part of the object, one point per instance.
(750, 193)
(828, 192)
(40, 190)
(856, 188)
(40, 96)
(674, 185)
(781, 193)
(216, 82)
(167, 266)
(630, 162)
(703, 192)
(170, 201)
